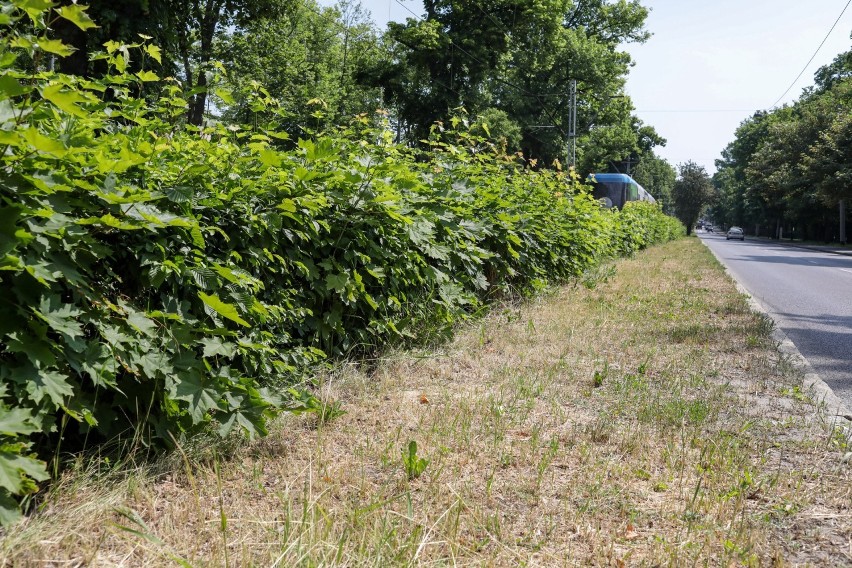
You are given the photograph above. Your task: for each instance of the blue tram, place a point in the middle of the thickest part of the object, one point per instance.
(614, 190)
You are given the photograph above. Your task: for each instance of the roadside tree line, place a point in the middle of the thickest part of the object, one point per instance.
(788, 172)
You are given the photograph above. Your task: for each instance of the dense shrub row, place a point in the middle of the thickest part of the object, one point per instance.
(158, 280)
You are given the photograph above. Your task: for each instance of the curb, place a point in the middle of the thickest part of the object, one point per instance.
(823, 394)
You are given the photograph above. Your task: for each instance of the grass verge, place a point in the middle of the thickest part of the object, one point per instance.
(645, 418)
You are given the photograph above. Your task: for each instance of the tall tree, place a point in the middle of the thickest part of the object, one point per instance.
(308, 59)
(195, 24)
(830, 75)
(731, 171)
(692, 192)
(769, 175)
(519, 57)
(555, 42)
(829, 161)
(185, 29)
(441, 62)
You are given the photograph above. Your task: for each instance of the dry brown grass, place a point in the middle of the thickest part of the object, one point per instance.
(647, 421)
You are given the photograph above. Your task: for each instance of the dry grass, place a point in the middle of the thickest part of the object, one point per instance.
(647, 421)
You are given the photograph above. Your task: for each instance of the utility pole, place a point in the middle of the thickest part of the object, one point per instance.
(572, 121)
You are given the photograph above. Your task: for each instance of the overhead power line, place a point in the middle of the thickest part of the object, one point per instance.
(688, 111)
(812, 56)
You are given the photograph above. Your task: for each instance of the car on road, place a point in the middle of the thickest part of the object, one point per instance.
(735, 233)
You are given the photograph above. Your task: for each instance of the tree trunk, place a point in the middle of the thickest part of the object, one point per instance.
(207, 18)
(199, 101)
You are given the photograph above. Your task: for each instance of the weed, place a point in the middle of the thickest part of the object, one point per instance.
(797, 394)
(600, 376)
(599, 275)
(414, 465)
(323, 411)
(696, 332)
(840, 437)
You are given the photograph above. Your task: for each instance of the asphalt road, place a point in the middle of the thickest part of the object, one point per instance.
(809, 295)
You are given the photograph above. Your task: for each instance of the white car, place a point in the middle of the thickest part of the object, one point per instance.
(735, 233)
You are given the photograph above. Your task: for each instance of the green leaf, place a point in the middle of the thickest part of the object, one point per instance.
(41, 384)
(60, 317)
(142, 324)
(147, 212)
(34, 8)
(225, 95)
(10, 513)
(217, 346)
(15, 421)
(14, 467)
(336, 282)
(66, 100)
(55, 46)
(190, 387)
(414, 465)
(369, 299)
(288, 205)
(147, 76)
(8, 114)
(179, 193)
(238, 277)
(197, 236)
(37, 351)
(76, 14)
(44, 144)
(152, 362)
(250, 423)
(100, 364)
(11, 87)
(204, 277)
(270, 158)
(155, 52)
(223, 309)
(11, 138)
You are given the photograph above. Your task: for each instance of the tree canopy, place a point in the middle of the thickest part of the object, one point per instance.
(788, 168)
(509, 63)
(520, 57)
(692, 192)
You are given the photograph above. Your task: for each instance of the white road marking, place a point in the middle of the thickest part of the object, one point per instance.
(845, 270)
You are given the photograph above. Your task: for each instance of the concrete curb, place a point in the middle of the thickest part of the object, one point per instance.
(823, 394)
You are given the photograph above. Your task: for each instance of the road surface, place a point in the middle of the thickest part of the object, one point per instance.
(809, 295)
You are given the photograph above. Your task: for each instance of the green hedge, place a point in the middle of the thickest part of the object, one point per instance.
(158, 280)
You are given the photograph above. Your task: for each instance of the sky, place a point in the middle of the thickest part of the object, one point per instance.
(711, 65)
